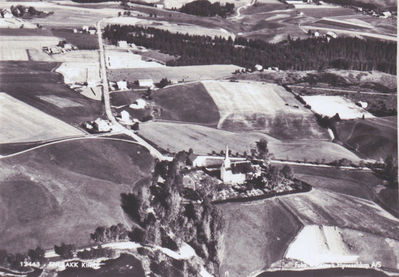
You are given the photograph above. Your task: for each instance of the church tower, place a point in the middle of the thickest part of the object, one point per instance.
(225, 170)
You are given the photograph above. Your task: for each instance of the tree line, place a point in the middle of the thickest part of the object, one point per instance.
(295, 54)
(206, 8)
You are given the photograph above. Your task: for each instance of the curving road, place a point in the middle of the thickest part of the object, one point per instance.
(116, 126)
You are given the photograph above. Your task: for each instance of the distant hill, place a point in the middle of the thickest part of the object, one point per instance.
(62, 192)
(374, 138)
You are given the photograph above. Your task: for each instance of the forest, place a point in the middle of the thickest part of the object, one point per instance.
(296, 54)
(206, 8)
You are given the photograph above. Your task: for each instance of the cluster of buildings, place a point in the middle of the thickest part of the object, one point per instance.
(86, 29)
(59, 49)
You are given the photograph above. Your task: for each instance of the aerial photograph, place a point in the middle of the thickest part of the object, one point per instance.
(209, 138)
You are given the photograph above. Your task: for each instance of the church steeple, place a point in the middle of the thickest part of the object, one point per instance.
(227, 163)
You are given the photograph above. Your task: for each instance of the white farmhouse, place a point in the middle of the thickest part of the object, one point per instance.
(122, 85)
(138, 104)
(148, 83)
(258, 67)
(122, 44)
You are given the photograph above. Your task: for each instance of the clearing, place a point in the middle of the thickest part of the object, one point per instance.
(55, 194)
(23, 123)
(119, 58)
(327, 105)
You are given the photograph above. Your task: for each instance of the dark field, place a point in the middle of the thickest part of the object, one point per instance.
(190, 103)
(27, 81)
(374, 138)
(62, 192)
(82, 41)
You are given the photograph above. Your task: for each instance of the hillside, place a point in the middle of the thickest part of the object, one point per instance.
(62, 192)
(265, 230)
(374, 138)
(242, 106)
(203, 140)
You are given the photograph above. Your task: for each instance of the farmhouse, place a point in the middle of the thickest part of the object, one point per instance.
(148, 83)
(122, 85)
(122, 43)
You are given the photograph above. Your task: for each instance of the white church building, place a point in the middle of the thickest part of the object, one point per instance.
(234, 173)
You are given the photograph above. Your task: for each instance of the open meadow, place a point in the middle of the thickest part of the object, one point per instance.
(23, 123)
(57, 194)
(179, 73)
(204, 140)
(28, 81)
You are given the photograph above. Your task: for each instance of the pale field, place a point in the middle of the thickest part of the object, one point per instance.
(79, 72)
(178, 3)
(66, 15)
(233, 98)
(15, 23)
(28, 42)
(330, 105)
(14, 48)
(10, 54)
(183, 28)
(324, 245)
(23, 123)
(126, 59)
(203, 140)
(179, 73)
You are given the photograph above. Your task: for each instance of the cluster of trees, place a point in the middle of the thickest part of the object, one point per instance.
(163, 83)
(164, 219)
(206, 8)
(387, 171)
(65, 251)
(113, 233)
(17, 261)
(24, 12)
(305, 54)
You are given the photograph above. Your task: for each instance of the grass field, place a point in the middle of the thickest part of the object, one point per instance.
(26, 81)
(61, 193)
(203, 140)
(24, 123)
(179, 73)
(374, 138)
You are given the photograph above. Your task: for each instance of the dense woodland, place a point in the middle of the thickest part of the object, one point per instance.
(305, 54)
(206, 8)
